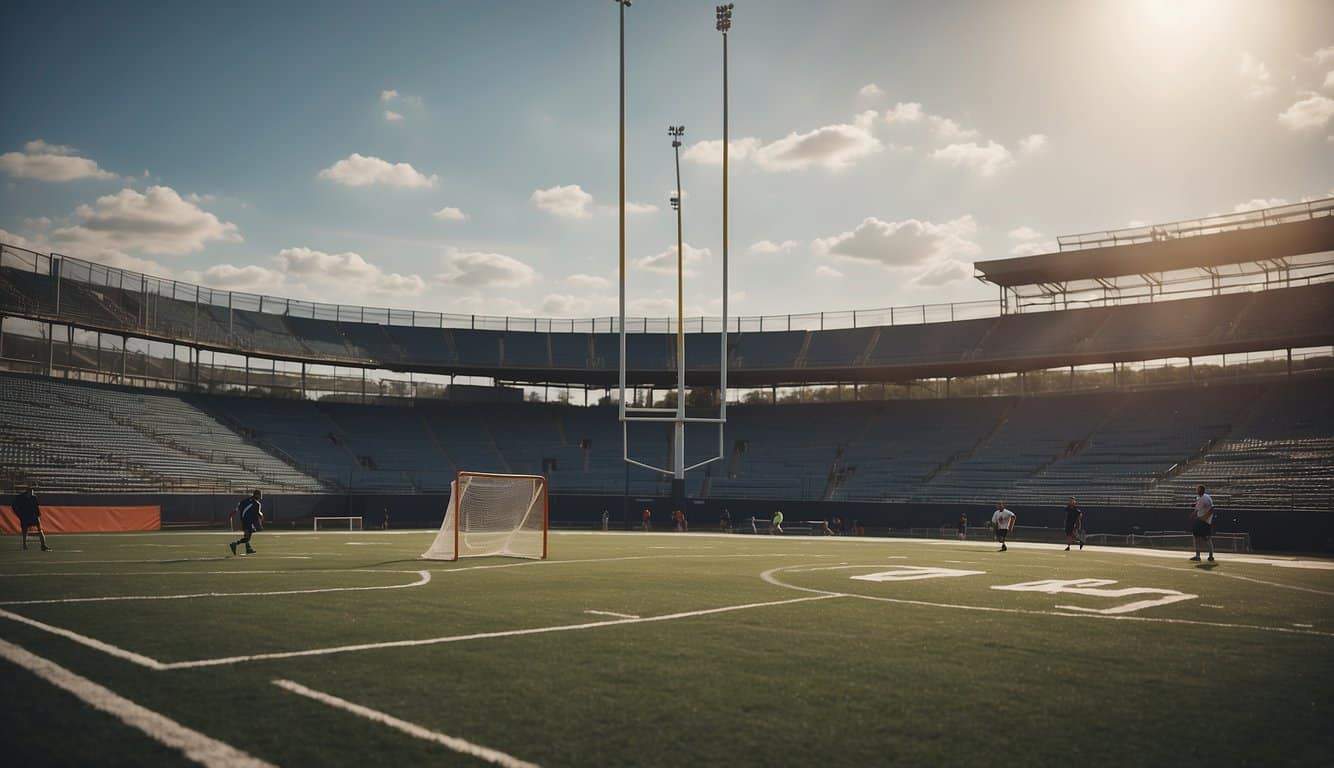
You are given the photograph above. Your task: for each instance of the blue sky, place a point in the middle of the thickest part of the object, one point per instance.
(461, 156)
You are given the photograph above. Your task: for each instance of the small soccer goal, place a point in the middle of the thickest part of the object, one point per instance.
(493, 515)
(343, 523)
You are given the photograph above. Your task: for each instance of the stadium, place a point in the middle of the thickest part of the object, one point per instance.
(743, 539)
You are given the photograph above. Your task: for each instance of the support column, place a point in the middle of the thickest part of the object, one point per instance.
(50, 347)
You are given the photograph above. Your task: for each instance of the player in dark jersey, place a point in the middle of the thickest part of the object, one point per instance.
(252, 519)
(1074, 524)
(963, 526)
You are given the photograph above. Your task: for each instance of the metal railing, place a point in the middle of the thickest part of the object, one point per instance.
(1208, 225)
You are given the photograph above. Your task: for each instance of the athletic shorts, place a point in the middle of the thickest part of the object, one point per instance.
(1001, 533)
(1202, 529)
(1070, 528)
(30, 522)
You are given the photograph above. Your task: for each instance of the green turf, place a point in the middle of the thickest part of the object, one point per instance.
(834, 681)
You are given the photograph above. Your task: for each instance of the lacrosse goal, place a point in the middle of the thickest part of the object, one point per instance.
(493, 515)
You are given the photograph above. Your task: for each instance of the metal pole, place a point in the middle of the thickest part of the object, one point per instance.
(621, 129)
(724, 25)
(680, 427)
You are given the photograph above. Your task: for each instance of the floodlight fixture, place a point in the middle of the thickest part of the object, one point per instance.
(724, 17)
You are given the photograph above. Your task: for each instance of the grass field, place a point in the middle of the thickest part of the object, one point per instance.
(662, 649)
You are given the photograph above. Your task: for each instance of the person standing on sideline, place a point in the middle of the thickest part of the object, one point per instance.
(647, 517)
(963, 526)
(29, 514)
(1004, 521)
(776, 524)
(1074, 524)
(252, 519)
(384, 521)
(606, 520)
(725, 522)
(1202, 521)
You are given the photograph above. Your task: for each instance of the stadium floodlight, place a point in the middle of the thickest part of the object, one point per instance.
(724, 25)
(724, 17)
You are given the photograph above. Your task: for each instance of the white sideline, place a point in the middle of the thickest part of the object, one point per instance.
(423, 578)
(483, 635)
(768, 576)
(195, 745)
(455, 743)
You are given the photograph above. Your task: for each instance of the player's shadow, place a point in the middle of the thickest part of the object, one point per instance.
(1207, 566)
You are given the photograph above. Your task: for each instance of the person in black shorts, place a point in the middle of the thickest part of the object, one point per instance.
(29, 514)
(252, 519)
(1074, 524)
(963, 526)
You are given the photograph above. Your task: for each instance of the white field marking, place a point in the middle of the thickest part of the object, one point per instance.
(1239, 577)
(768, 576)
(198, 573)
(1274, 560)
(1308, 626)
(916, 573)
(455, 743)
(1097, 588)
(107, 648)
(1210, 605)
(193, 744)
(612, 613)
(485, 635)
(423, 578)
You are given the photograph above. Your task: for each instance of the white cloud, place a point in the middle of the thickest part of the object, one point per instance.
(1324, 54)
(1329, 79)
(769, 247)
(568, 202)
(904, 112)
(392, 116)
(827, 271)
(158, 221)
(664, 262)
(50, 162)
(19, 241)
(359, 171)
(349, 270)
(945, 272)
(632, 207)
(450, 213)
(1256, 76)
(1024, 233)
(870, 91)
(1033, 247)
(1258, 203)
(1033, 143)
(389, 95)
(588, 281)
(250, 278)
(475, 269)
(948, 130)
(985, 160)
(568, 305)
(909, 243)
(832, 147)
(1312, 112)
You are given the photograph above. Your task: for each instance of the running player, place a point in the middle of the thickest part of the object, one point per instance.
(252, 519)
(1074, 524)
(29, 513)
(1004, 521)
(776, 524)
(1202, 522)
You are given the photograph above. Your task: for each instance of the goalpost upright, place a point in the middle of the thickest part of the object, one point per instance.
(676, 416)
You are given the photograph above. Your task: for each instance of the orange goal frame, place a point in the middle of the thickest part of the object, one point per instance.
(457, 501)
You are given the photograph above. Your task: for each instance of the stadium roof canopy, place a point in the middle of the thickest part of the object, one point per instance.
(1272, 235)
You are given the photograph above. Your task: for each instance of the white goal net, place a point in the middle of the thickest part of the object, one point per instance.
(338, 523)
(487, 514)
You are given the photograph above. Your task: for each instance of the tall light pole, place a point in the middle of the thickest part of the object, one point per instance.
(724, 25)
(625, 498)
(679, 436)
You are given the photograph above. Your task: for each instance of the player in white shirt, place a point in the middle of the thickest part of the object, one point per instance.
(1003, 520)
(1202, 523)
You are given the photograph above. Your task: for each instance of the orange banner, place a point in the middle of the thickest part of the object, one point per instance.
(88, 519)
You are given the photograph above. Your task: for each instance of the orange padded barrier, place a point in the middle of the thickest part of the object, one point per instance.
(88, 519)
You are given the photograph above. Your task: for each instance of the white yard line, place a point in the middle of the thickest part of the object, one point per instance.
(91, 642)
(423, 578)
(484, 635)
(769, 577)
(172, 560)
(612, 613)
(1239, 577)
(193, 744)
(462, 746)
